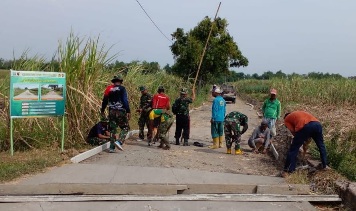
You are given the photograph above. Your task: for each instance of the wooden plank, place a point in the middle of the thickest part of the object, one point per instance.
(195, 197)
(91, 189)
(285, 189)
(220, 189)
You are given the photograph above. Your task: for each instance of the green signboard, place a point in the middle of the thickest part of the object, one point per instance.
(36, 94)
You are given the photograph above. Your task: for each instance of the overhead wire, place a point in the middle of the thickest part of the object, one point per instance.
(153, 21)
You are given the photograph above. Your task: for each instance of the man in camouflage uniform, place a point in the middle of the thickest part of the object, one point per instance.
(144, 110)
(181, 109)
(99, 133)
(163, 128)
(233, 122)
(115, 97)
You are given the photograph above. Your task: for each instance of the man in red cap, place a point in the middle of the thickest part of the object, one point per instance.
(271, 110)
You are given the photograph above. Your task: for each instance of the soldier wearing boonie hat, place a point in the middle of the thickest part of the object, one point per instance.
(115, 97)
(181, 109)
(144, 109)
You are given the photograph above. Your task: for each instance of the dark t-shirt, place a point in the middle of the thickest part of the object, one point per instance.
(96, 130)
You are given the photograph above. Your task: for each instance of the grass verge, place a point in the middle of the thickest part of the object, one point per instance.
(28, 162)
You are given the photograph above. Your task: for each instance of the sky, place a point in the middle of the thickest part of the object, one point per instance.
(293, 36)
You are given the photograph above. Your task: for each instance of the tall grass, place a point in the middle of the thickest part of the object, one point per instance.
(85, 63)
(310, 91)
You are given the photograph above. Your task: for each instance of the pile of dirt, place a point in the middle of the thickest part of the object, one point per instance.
(322, 182)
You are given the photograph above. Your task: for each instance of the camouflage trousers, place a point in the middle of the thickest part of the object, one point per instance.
(142, 121)
(231, 136)
(163, 129)
(95, 141)
(118, 118)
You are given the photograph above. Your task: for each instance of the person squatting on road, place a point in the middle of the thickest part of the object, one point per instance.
(272, 111)
(144, 110)
(180, 108)
(159, 101)
(99, 133)
(217, 118)
(115, 97)
(303, 126)
(233, 121)
(163, 128)
(260, 136)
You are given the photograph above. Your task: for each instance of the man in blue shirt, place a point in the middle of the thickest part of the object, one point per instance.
(217, 118)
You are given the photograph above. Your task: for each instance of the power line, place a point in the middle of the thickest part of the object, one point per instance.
(153, 21)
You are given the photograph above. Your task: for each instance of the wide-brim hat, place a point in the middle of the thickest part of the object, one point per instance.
(183, 91)
(117, 78)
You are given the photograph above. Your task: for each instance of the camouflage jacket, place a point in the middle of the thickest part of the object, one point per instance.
(181, 105)
(146, 102)
(236, 119)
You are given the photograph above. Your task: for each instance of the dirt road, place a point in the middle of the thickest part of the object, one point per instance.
(192, 157)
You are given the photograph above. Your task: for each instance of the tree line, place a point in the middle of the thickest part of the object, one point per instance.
(221, 54)
(154, 67)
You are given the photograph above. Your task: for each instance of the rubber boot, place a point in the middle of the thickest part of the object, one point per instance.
(238, 152)
(228, 151)
(215, 143)
(185, 143)
(220, 141)
(177, 141)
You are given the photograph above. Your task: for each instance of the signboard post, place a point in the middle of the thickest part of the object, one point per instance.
(36, 94)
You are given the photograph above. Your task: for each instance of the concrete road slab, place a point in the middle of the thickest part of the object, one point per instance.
(203, 177)
(75, 173)
(158, 205)
(98, 173)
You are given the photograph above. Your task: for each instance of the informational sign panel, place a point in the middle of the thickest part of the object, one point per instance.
(35, 93)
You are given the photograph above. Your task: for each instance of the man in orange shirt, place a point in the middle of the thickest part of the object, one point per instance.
(303, 126)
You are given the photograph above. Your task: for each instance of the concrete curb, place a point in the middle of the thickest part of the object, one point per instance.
(347, 191)
(96, 150)
(85, 155)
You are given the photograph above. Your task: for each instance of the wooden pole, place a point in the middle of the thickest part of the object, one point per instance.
(202, 56)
